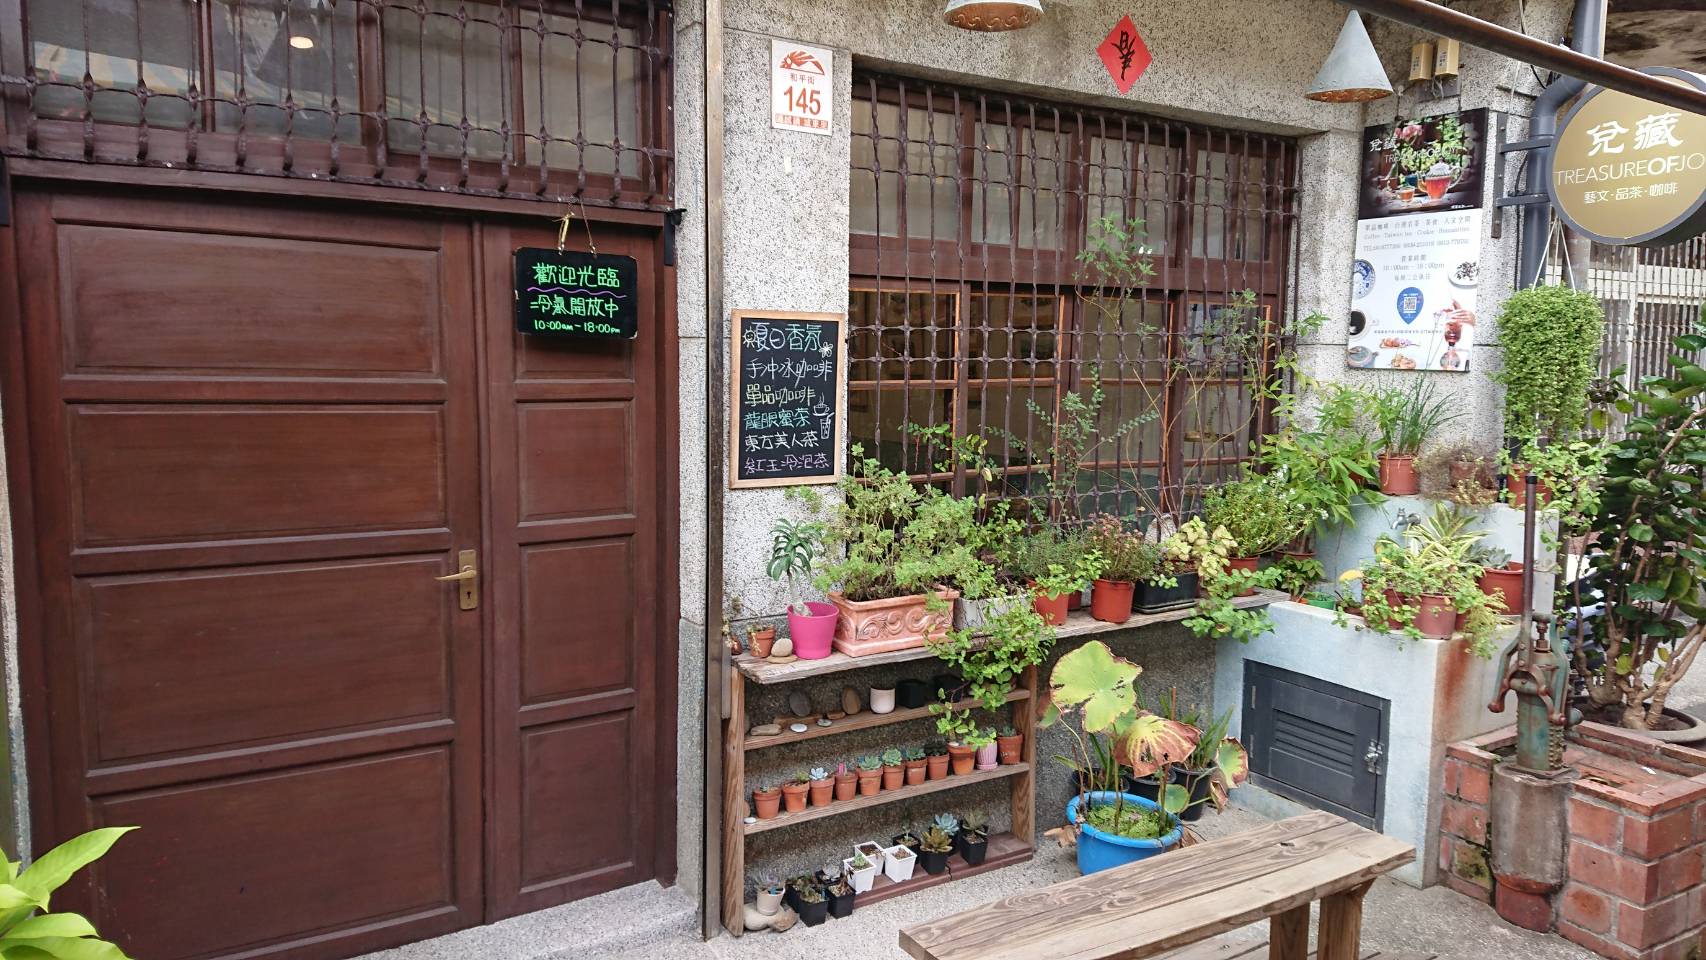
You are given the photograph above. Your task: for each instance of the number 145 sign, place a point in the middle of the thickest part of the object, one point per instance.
(802, 87)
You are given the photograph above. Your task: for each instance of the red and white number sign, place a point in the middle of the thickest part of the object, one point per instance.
(802, 87)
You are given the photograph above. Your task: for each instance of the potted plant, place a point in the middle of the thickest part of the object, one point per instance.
(984, 743)
(1464, 473)
(936, 760)
(1298, 574)
(860, 871)
(1091, 697)
(1057, 568)
(846, 782)
(948, 824)
(1013, 641)
(881, 569)
(893, 771)
(794, 792)
(1126, 559)
(933, 850)
(872, 850)
(972, 841)
(766, 801)
(1501, 578)
(809, 901)
(913, 763)
(769, 898)
(1009, 745)
(907, 838)
(1551, 338)
(882, 699)
(1406, 419)
(1257, 512)
(841, 898)
(1324, 458)
(760, 640)
(960, 728)
(870, 775)
(1422, 586)
(898, 863)
(794, 547)
(822, 787)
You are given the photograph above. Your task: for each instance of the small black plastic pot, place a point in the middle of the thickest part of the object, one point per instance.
(1150, 598)
(973, 848)
(841, 907)
(906, 840)
(933, 863)
(911, 694)
(1199, 781)
(1149, 788)
(812, 914)
(951, 684)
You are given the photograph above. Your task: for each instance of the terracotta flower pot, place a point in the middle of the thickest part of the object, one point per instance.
(1075, 600)
(870, 781)
(1473, 474)
(1516, 481)
(914, 772)
(794, 796)
(765, 803)
(846, 785)
(760, 641)
(1110, 600)
(1398, 475)
(1507, 579)
(987, 757)
(1249, 564)
(822, 792)
(892, 777)
(1051, 609)
(963, 756)
(1010, 749)
(868, 627)
(1435, 616)
(936, 767)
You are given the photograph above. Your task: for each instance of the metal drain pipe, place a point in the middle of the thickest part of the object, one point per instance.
(1588, 37)
(717, 666)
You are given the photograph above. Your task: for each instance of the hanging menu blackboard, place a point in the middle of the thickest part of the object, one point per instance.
(570, 294)
(787, 424)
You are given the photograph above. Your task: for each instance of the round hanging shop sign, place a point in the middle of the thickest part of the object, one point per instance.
(1628, 171)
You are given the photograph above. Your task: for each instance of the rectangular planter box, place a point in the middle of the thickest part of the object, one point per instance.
(1150, 598)
(974, 614)
(868, 627)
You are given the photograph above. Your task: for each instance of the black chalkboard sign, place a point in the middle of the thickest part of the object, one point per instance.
(787, 423)
(569, 294)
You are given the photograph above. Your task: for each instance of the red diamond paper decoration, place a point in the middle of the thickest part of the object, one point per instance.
(1124, 54)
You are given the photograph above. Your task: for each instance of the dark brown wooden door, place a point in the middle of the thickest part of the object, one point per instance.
(577, 591)
(255, 433)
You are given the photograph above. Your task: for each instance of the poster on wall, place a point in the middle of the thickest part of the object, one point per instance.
(787, 424)
(1418, 245)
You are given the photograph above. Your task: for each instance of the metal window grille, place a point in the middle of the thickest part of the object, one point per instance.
(972, 304)
(536, 99)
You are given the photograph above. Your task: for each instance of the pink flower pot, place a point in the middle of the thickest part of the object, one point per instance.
(813, 635)
(988, 756)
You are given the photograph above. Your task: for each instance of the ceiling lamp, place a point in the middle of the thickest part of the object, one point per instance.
(1353, 72)
(993, 16)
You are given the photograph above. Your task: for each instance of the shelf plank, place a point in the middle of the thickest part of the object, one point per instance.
(1078, 624)
(1005, 849)
(887, 796)
(864, 721)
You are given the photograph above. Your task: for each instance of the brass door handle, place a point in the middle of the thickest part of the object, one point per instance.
(467, 580)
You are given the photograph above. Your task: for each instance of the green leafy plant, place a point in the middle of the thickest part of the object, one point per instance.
(980, 737)
(870, 762)
(1197, 545)
(1126, 556)
(1324, 457)
(1257, 511)
(1437, 558)
(1218, 617)
(27, 930)
(892, 757)
(936, 748)
(871, 550)
(936, 841)
(801, 777)
(1407, 418)
(1550, 338)
(860, 862)
(913, 753)
(794, 547)
(1298, 574)
(1076, 434)
(993, 656)
(1059, 564)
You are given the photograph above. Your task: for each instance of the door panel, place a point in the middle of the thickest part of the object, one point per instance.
(249, 463)
(574, 435)
(1310, 740)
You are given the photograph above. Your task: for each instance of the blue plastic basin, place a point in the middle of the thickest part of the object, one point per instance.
(1104, 851)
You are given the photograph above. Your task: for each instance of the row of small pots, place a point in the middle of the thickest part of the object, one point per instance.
(1437, 617)
(845, 784)
(1398, 478)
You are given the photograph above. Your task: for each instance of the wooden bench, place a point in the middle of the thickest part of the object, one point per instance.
(1186, 897)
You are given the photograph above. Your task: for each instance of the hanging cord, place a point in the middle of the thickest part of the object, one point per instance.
(563, 229)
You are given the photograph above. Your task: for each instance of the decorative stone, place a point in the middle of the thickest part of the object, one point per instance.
(798, 728)
(850, 701)
(783, 920)
(835, 715)
(783, 647)
(824, 721)
(800, 704)
(765, 730)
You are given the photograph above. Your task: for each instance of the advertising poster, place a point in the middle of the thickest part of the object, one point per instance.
(1418, 244)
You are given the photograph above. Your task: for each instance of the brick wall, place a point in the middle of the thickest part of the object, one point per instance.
(1464, 848)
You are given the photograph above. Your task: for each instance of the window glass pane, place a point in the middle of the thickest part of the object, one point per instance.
(1225, 340)
(1128, 428)
(1013, 336)
(1003, 415)
(900, 335)
(580, 87)
(269, 53)
(1123, 337)
(1129, 181)
(1017, 178)
(442, 72)
(877, 420)
(1227, 217)
(1217, 420)
(927, 174)
(119, 43)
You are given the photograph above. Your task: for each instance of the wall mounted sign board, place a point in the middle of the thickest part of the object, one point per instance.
(1418, 247)
(1631, 172)
(802, 87)
(580, 295)
(1124, 54)
(787, 421)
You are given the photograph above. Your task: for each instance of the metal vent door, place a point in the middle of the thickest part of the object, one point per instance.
(1315, 742)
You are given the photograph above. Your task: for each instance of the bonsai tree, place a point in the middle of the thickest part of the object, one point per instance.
(1650, 523)
(794, 546)
(1550, 338)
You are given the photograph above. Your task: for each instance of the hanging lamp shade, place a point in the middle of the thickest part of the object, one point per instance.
(1353, 72)
(993, 16)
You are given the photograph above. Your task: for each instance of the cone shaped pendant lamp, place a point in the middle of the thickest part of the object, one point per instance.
(1353, 72)
(993, 16)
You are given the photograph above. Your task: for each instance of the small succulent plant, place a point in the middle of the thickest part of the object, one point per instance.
(936, 748)
(870, 762)
(892, 757)
(974, 827)
(1008, 731)
(860, 862)
(913, 754)
(936, 840)
(801, 776)
(947, 823)
(819, 773)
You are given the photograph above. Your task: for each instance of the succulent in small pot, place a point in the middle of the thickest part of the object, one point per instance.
(822, 788)
(984, 741)
(948, 824)
(913, 763)
(936, 760)
(962, 756)
(841, 899)
(870, 775)
(907, 838)
(795, 790)
(973, 841)
(861, 870)
(933, 850)
(810, 901)
(1501, 578)
(894, 771)
(1009, 745)
(898, 863)
(766, 801)
(769, 898)
(846, 783)
(760, 641)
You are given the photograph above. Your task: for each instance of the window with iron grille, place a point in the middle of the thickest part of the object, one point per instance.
(977, 299)
(547, 99)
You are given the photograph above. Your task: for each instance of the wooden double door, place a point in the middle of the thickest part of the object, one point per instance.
(248, 438)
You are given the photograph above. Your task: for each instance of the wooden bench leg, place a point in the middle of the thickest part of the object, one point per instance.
(1340, 935)
(1288, 935)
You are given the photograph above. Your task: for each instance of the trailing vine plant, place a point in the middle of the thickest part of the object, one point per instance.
(1550, 338)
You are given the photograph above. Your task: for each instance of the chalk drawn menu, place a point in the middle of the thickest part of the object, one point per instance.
(787, 425)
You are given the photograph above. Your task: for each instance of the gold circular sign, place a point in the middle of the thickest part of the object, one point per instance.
(1629, 171)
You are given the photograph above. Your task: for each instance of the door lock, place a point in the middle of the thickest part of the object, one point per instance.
(467, 580)
(1371, 759)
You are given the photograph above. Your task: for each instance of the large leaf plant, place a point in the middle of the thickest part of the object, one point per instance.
(28, 931)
